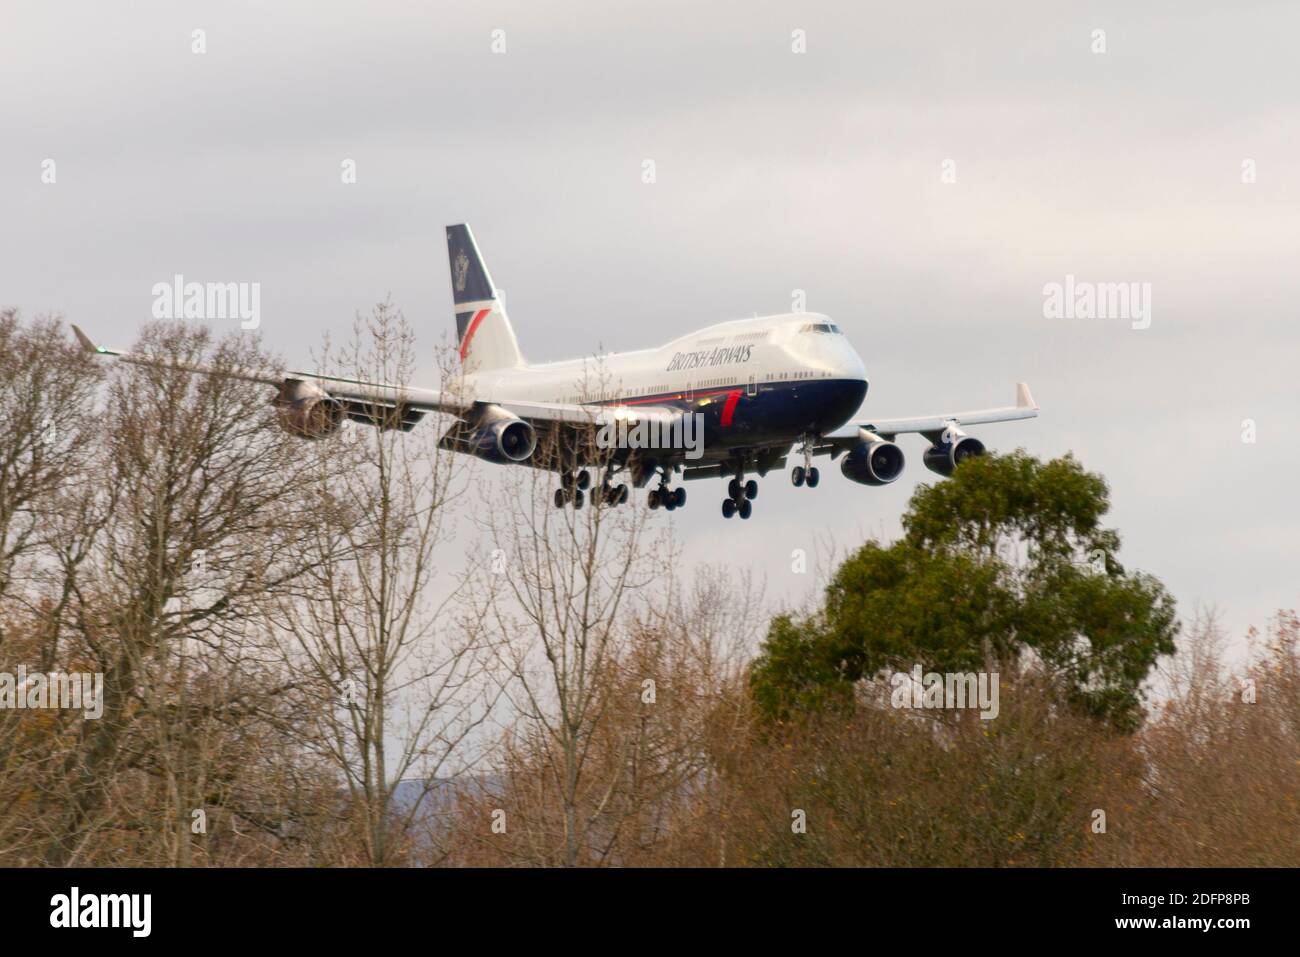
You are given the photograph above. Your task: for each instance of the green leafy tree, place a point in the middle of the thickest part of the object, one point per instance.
(1004, 563)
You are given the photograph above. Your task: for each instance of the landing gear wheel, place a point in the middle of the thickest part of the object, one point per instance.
(733, 489)
(669, 500)
(622, 495)
(796, 476)
(728, 508)
(584, 480)
(577, 498)
(744, 508)
(679, 497)
(559, 498)
(653, 498)
(751, 489)
(813, 477)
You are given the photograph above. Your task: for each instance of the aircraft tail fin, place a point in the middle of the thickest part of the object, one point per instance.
(483, 332)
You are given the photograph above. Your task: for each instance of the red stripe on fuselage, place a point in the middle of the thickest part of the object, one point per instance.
(469, 333)
(729, 409)
(662, 397)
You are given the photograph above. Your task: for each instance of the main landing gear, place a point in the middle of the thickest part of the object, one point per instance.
(740, 495)
(573, 485)
(665, 497)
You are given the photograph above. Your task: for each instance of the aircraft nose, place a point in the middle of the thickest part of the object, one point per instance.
(841, 399)
(851, 366)
(856, 370)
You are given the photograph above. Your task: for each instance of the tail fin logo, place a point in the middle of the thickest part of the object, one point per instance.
(462, 270)
(482, 328)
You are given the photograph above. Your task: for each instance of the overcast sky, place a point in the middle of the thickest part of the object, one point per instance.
(775, 171)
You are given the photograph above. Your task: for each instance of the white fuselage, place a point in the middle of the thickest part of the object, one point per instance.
(744, 353)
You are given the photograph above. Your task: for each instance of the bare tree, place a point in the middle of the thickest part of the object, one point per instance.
(47, 437)
(200, 515)
(47, 388)
(557, 586)
(402, 686)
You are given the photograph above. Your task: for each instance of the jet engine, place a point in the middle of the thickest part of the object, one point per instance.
(952, 448)
(874, 461)
(502, 435)
(514, 438)
(307, 411)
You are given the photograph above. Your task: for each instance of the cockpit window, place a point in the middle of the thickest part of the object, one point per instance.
(820, 327)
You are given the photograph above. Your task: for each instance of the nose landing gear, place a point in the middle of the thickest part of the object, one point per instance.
(802, 475)
(807, 473)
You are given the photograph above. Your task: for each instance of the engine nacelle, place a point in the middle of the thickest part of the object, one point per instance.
(953, 448)
(515, 438)
(874, 461)
(307, 411)
(502, 436)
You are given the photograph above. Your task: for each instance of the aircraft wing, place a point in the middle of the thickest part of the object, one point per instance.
(250, 375)
(350, 390)
(374, 402)
(932, 426)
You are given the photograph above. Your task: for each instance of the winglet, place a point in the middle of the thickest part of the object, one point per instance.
(86, 342)
(1024, 400)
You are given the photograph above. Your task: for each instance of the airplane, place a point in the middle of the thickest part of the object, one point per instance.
(755, 390)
